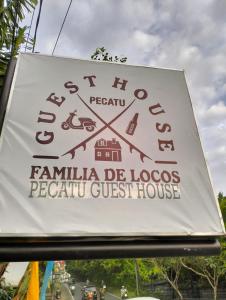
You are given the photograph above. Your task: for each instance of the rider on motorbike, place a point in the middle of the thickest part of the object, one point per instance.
(102, 290)
(124, 292)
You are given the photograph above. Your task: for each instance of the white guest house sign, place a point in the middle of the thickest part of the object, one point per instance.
(100, 149)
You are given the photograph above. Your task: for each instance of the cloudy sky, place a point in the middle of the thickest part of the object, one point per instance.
(177, 34)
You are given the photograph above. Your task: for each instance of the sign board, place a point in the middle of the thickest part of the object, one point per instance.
(94, 149)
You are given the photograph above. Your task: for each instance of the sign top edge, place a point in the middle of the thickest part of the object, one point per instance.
(99, 62)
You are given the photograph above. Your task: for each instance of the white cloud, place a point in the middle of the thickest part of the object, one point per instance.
(217, 110)
(144, 41)
(215, 115)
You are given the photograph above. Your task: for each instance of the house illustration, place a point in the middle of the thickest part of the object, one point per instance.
(108, 150)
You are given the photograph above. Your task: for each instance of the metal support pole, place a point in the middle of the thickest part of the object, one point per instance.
(137, 276)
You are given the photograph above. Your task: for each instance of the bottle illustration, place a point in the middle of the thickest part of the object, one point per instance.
(132, 125)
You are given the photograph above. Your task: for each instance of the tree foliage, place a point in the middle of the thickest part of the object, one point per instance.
(12, 34)
(170, 270)
(222, 203)
(210, 268)
(114, 272)
(102, 55)
(3, 267)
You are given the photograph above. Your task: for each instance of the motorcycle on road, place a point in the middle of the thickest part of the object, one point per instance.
(124, 293)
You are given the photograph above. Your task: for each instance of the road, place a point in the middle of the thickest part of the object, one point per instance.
(78, 294)
(110, 296)
(66, 293)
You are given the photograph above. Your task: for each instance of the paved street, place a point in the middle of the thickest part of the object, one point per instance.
(78, 294)
(65, 293)
(110, 296)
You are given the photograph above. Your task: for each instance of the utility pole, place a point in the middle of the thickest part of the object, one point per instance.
(137, 276)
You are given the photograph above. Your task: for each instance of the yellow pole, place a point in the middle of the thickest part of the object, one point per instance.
(33, 287)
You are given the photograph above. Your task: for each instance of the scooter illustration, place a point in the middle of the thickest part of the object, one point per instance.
(86, 123)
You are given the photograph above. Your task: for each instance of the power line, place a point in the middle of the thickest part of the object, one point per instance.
(37, 23)
(28, 36)
(15, 28)
(62, 25)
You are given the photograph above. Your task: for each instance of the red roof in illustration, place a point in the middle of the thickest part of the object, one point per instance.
(102, 143)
